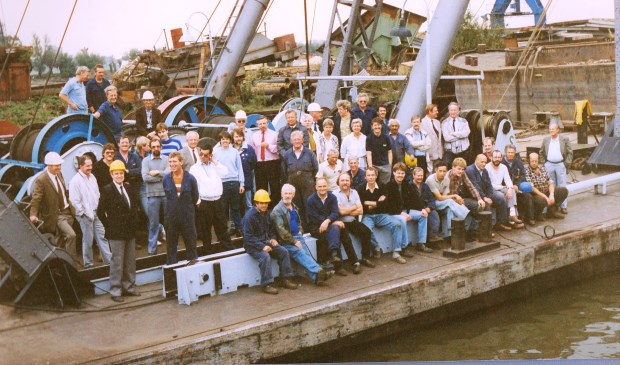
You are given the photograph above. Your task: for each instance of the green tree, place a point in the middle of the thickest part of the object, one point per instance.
(471, 33)
(132, 54)
(7, 39)
(42, 54)
(66, 64)
(88, 59)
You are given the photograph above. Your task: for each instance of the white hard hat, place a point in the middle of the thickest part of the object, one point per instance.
(314, 107)
(147, 95)
(53, 158)
(240, 114)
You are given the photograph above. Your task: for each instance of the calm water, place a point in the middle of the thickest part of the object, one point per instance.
(578, 322)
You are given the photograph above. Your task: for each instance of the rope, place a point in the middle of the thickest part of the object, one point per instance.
(6, 61)
(49, 74)
(188, 53)
(526, 52)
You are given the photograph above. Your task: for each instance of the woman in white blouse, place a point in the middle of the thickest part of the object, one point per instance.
(325, 141)
(354, 145)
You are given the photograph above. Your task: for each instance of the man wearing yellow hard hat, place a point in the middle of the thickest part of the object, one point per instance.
(259, 241)
(118, 211)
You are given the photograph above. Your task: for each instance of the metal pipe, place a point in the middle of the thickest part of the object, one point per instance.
(385, 78)
(237, 45)
(447, 17)
(593, 183)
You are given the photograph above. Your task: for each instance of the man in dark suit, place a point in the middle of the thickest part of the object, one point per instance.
(148, 116)
(479, 177)
(118, 211)
(50, 204)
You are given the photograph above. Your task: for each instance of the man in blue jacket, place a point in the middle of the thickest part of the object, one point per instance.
(259, 241)
(479, 177)
(181, 191)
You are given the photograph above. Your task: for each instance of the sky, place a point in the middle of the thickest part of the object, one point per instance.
(113, 27)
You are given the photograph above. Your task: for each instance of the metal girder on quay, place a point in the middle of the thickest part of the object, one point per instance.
(443, 26)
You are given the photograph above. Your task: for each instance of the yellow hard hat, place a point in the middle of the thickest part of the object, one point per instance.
(262, 196)
(411, 162)
(117, 165)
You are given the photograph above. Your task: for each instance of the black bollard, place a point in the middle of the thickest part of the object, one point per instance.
(484, 228)
(458, 235)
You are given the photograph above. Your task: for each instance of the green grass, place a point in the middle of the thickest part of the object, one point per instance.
(21, 112)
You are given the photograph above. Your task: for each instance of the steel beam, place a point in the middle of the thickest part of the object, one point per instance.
(234, 51)
(445, 23)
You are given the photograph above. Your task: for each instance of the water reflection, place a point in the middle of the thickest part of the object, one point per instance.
(579, 322)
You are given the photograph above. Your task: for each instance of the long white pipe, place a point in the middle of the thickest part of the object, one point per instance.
(301, 77)
(594, 182)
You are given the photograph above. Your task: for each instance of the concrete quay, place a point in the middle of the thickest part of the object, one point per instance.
(249, 327)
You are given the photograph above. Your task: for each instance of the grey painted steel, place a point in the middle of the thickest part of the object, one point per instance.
(617, 54)
(446, 20)
(327, 90)
(608, 150)
(235, 49)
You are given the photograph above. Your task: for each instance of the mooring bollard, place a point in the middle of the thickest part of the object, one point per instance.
(458, 234)
(484, 228)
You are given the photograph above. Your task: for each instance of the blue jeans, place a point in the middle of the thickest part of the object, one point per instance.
(557, 172)
(399, 241)
(264, 262)
(230, 202)
(155, 203)
(416, 216)
(433, 223)
(302, 258)
(94, 229)
(450, 209)
(247, 199)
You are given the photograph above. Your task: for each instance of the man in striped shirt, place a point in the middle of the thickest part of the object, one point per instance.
(168, 145)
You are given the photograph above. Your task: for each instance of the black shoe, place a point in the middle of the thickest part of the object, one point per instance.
(289, 284)
(341, 271)
(118, 299)
(406, 252)
(433, 239)
(357, 268)
(335, 258)
(377, 253)
(269, 289)
(367, 263)
(422, 248)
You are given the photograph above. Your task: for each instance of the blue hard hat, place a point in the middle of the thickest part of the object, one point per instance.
(526, 187)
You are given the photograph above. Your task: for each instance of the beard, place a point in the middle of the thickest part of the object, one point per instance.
(496, 163)
(156, 153)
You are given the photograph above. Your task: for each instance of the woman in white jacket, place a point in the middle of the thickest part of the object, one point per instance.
(421, 143)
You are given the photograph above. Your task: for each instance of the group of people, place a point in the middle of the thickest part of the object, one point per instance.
(332, 178)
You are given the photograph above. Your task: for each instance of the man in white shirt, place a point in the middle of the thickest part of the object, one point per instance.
(556, 154)
(208, 173)
(330, 169)
(267, 170)
(84, 195)
(500, 179)
(455, 132)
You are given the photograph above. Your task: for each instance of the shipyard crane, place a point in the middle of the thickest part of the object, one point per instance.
(500, 11)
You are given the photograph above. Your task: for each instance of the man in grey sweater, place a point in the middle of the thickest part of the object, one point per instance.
(154, 167)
